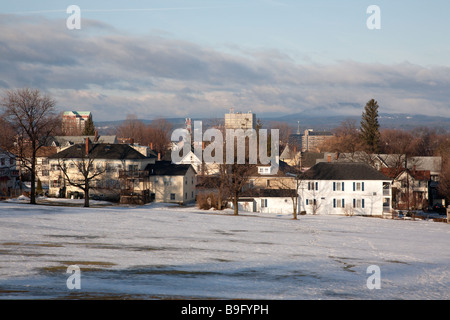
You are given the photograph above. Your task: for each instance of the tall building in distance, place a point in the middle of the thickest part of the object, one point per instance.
(74, 122)
(312, 140)
(238, 120)
(309, 140)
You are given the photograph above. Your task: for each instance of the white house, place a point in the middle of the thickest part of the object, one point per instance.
(345, 188)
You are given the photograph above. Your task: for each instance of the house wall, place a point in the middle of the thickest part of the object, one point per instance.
(174, 189)
(328, 197)
(279, 205)
(107, 183)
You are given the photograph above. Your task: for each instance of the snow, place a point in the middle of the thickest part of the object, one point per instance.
(164, 251)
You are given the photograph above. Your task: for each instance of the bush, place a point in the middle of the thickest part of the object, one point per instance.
(207, 201)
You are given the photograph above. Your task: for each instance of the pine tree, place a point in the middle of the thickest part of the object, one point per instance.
(370, 133)
(89, 128)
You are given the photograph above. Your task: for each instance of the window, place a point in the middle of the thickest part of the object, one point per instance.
(338, 186)
(263, 203)
(313, 185)
(358, 186)
(45, 173)
(338, 203)
(358, 203)
(172, 196)
(54, 184)
(185, 195)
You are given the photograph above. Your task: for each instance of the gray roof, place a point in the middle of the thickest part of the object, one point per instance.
(65, 140)
(100, 151)
(167, 168)
(343, 171)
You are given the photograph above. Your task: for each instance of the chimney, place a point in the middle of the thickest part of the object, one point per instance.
(131, 140)
(329, 158)
(151, 145)
(336, 155)
(203, 145)
(87, 145)
(159, 156)
(96, 136)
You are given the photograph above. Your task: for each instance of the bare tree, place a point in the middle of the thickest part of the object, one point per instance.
(284, 183)
(132, 128)
(84, 166)
(158, 134)
(346, 139)
(32, 115)
(237, 178)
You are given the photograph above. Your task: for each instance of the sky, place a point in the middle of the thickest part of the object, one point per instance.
(198, 58)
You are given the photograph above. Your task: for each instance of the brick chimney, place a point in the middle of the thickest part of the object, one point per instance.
(96, 136)
(159, 156)
(87, 145)
(329, 158)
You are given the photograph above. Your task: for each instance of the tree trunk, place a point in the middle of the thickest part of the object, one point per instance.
(86, 195)
(235, 205)
(33, 174)
(294, 211)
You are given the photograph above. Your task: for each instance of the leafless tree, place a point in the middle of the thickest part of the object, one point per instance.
(84, 165)
(32, 116)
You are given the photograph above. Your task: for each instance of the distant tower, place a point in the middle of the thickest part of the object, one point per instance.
(188, 123)
(298, 127)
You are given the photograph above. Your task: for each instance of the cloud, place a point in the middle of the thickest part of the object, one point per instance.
(112, 74)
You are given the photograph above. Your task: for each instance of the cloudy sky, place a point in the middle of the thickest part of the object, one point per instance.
(199, 58)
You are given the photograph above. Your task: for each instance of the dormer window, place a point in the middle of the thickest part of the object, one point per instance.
(264, 170)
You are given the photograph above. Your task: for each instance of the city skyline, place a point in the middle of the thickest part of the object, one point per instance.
(201, 58)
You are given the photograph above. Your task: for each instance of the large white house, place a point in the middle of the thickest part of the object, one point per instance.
(351, 188)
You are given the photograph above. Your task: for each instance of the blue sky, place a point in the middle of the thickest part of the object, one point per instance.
(199, 58)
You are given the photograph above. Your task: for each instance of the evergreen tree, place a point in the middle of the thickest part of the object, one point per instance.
(370, 133)
(89, 128)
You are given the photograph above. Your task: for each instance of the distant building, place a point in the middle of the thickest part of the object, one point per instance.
(238, 120)
(74, 122)
(309, 141)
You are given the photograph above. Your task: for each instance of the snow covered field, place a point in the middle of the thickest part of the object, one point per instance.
(161, 251)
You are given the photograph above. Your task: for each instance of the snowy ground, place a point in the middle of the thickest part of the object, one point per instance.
(162, 251)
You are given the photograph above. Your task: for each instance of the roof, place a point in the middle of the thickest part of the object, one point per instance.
(310, 158)
(343, 171)
(416, 174)
(269, 193)
(62, 140)
(167, 168)
(81, 113)
(100, 151)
